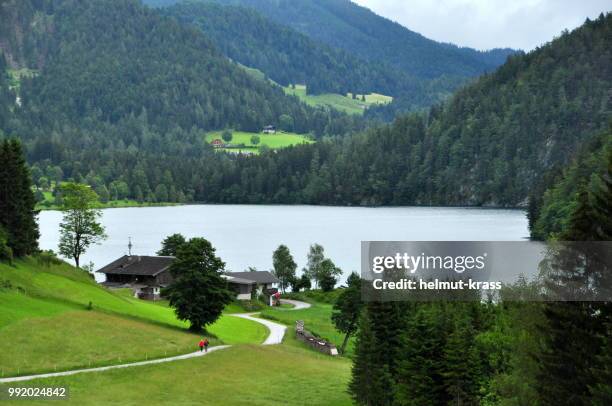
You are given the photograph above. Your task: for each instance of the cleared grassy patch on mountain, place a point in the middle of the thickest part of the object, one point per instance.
(47, 322)
(241, 140)
(246, 375)
(337, 101)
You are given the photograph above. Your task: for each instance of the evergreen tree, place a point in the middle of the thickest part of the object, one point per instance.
(371, 381)
(17, 200)
(572, 345)
(420, 380)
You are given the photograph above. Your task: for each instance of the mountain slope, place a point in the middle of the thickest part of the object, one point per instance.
(111, 62)
(346, 25)
(121, 97)
(286, 56)
(488, 145)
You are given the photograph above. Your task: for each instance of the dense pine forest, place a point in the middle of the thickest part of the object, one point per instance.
(287, 56)
(348, 47)
(345, 25)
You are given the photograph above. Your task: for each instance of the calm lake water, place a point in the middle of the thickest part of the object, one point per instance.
(247, 235)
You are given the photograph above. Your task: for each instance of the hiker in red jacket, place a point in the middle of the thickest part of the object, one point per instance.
(202, 344)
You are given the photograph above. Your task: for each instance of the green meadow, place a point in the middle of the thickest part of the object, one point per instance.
(47, 323)
(244, 375)
(340, 102)
(243, 142)
(56, 318)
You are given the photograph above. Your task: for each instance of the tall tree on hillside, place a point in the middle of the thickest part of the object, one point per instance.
(371, 378)
(328, 275)
(284, 266)
(17, 200)
(347, 309)
(80, 227)
(171, 244)
(316, 256)
(199, 293)
(572, 343)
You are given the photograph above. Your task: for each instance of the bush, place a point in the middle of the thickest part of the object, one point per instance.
(251, 305)
(47, 258)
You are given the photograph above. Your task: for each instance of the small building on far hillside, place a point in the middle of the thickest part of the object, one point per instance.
(217, 143)
(269, 129)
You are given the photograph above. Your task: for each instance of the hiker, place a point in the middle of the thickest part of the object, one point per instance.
(206, 344)
(202, 344)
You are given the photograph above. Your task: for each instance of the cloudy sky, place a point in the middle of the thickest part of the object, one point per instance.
(485, 24)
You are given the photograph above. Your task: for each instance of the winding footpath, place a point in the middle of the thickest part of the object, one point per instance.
(297, 305)
(277, 332)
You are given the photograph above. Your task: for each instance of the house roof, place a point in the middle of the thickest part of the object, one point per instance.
(239, 281)
(258, 277)
(137, 265)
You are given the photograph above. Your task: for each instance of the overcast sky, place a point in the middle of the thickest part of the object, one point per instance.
(485, 24)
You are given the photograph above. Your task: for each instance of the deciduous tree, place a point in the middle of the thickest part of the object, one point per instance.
(80, 227)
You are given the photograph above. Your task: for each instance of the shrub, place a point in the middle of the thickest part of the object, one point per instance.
(47, 258)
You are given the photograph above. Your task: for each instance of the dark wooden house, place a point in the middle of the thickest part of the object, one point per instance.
(147, 275)
(144, 275)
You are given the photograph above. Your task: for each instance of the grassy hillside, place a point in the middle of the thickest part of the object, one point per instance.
(46, 322)
(317, 320)
(242, 140)
(247, 375)
(338, 101)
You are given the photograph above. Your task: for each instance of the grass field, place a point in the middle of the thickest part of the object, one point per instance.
(245, 375)
(338, 101)
(49, 203)
(272, 141)
(317, 319)
(45, 324)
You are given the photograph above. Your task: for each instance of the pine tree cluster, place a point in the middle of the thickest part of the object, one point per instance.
(18, 226)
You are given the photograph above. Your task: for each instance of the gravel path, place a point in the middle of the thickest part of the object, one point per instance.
(296, 303)
(106, 368)
(277, 331)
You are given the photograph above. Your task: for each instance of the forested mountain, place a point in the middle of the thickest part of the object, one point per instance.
(288, 57)
(346, 25)
(554, 200)
(107, 63)
(372, 52)
(120, 87)
(487, 146)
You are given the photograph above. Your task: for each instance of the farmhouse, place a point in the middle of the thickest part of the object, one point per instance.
(261, 283)
(147, 275)
(217, 143)
(269, 129)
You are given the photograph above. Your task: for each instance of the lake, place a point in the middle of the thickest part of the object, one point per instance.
(246, 235)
